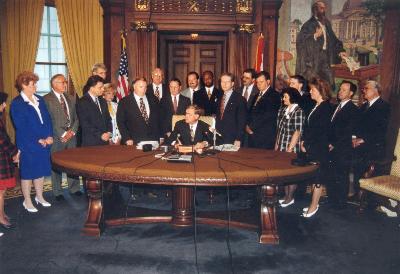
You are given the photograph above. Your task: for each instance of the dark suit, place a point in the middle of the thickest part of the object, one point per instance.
(262, 119)
(167, 111)
(342, 127)
(93, 122)
(306, 103)
(59, 121)
(210, 106)
(253, 93)
(131, 123)
(372, 129)
(183, 129)
(233, 121)
(150, 91)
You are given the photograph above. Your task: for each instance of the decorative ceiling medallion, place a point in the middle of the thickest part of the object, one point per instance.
(244, 6)
(142, 5)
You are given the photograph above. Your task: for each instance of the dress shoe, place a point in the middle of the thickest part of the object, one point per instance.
(32, 209)
(309, 215)
(7, 226)
(60, 198)
(78, 193)
(44, 204)
(287, 204)
(305, 209)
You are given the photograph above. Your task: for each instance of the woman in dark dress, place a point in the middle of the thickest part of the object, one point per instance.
(33, 130)
(8, 156)
(315, 139)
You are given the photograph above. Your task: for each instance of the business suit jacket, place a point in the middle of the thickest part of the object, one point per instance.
(342, 127)
(372, 129)
(93, 122)
(132, 125)
(27, 124)
(306, 103)
(316, 132)
(262, 119)
(183, 129)
(210, 106)
(59, 120)
(7, 151)
(233, 121)
(167, 111)
(253, 93)
(150, 91)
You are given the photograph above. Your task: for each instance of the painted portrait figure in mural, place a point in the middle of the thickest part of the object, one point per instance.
(317, 46)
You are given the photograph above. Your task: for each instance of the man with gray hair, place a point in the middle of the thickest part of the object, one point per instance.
(61, 107)
(99, 69)
(369, 141)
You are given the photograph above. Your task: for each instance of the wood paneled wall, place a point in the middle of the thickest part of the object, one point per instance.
(143, 54)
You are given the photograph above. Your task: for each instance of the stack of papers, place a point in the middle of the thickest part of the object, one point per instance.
(227, 147)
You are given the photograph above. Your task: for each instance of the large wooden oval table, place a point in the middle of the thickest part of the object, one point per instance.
(248, 167)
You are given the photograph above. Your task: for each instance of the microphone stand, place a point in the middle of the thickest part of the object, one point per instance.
(213, 150)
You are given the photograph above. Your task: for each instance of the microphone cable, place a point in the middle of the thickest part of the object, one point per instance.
(195, 212)
(228, 210)
(132, 185)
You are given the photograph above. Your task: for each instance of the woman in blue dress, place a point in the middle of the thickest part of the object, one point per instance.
(33, 130)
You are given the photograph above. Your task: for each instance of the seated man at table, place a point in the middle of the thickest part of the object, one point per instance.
(190, 131)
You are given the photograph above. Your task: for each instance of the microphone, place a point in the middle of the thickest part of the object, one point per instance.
(214, 131)
(177, 140)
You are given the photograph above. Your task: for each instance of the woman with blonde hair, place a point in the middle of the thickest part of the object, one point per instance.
(33, 129)
(108, 95)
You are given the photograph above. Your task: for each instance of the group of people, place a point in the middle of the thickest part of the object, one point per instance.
(299, 119)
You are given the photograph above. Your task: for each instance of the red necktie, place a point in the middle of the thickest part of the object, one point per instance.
(222, 107)
(175, 103)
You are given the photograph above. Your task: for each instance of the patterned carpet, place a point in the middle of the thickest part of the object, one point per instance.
(16, 191)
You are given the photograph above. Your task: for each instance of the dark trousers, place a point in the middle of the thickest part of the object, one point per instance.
(339, 171)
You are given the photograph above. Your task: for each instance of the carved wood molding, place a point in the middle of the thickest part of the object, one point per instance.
(195, 6)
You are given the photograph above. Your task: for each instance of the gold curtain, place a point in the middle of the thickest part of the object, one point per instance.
(81, 26)
(21, 21)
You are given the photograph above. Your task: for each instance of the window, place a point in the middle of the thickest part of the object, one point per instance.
(50, 58)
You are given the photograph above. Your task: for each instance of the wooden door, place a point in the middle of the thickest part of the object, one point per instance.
(182, 56)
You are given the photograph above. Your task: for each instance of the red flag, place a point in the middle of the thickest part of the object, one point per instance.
(123, 84)
(259, 62)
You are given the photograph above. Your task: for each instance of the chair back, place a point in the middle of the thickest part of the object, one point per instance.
(207, 119)
(395, 171)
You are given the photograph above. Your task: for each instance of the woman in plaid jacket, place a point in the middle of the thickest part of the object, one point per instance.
(289, 128)
(8, 155)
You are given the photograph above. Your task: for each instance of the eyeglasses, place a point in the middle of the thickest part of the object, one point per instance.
(61, 82)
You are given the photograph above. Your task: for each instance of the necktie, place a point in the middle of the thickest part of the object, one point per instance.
(64, 107)
(246, 93)
(338, 109)
(110, 109)
(222, 106)
(209, 93)
(258, 98)
(191, 133)
(98, 103)
(143, 111)
(157, 93)
(175, 103)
